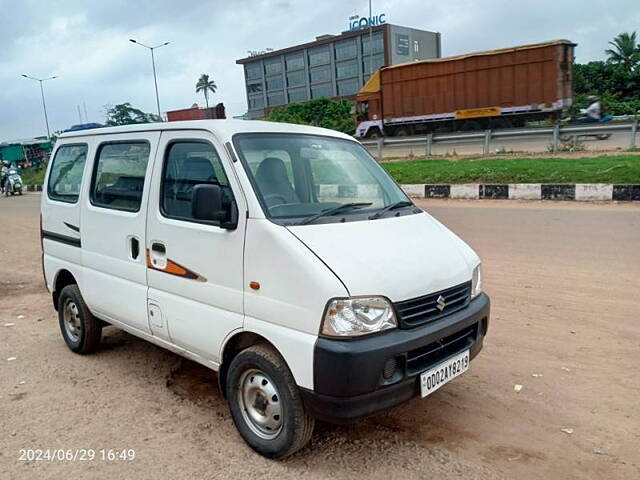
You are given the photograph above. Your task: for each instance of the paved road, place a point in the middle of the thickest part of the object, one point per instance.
(535, 144)
(564, 283)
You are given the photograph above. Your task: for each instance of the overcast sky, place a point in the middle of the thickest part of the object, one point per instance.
(86, 44)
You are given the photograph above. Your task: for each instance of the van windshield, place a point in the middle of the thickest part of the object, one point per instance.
(298, 176)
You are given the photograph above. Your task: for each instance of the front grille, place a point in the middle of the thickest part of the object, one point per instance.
(421, 310)
(425, 357)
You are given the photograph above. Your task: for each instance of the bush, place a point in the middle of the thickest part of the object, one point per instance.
(322, 112)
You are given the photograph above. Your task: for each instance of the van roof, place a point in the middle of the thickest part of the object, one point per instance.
(221, 128)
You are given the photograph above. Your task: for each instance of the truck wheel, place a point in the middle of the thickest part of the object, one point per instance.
(80, 329)
(402, 132)
(374, 133)
(265, 403)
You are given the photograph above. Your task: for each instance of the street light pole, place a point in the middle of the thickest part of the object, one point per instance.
(153, 64)
(44, 105)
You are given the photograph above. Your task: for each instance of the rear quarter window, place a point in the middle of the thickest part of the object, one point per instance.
(65, 177)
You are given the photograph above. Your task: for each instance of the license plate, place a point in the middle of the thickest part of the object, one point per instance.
(434, 378)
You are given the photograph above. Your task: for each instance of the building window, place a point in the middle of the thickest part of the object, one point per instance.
(118, 175)
(402, 44)
(256, 102)
(253, 70)
(346, 50)
(273, 66)
(275, 83)
(298, 95)
(416, 46)
(378, 61)
(347, 69)
(189, 164)
(348, 87)
(319, 56)
(295, 62)
(320, 74)
(319, 91)
(254, 87)
(66, 173)
(378, 43)
(295, 79)
(275, 98)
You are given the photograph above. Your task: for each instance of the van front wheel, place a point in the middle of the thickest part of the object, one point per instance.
(265, 403)
(81, 331)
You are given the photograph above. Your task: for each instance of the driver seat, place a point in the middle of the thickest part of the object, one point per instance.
(272, 179)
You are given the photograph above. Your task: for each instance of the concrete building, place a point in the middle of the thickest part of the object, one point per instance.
(331, 66)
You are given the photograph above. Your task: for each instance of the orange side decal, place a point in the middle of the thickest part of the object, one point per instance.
(174, 268)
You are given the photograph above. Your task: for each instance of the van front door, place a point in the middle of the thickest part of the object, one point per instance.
(195, 273)
(113, 228)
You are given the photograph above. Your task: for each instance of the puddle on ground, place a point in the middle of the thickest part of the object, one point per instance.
(194, 382)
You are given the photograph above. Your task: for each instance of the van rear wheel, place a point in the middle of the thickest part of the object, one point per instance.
(81, 331)
(265, 403)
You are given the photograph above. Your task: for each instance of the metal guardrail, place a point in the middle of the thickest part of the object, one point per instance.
(555, 132)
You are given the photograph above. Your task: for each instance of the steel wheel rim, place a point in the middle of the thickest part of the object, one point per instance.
(72, 321)
(260, 404)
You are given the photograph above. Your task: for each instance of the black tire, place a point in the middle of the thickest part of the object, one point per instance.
(89, 331)
(374, 133)
(296, 427)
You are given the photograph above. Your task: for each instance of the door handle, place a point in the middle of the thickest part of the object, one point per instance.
(158, 247)
(135, 248)
(158, 255)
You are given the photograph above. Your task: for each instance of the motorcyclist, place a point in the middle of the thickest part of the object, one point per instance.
(593, 113)
(4, 175)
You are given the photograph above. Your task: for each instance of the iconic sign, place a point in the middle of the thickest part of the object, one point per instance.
(357, 23)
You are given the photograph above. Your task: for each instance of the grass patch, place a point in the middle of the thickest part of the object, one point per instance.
(600, 169)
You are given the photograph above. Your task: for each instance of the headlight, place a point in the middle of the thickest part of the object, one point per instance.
(476, 281)
(347, 317)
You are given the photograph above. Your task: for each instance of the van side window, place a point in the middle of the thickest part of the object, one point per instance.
(65, 176)
(118, 175)
(187, 164)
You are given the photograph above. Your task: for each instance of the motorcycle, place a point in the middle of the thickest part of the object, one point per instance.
(12, 183)
(584, 120)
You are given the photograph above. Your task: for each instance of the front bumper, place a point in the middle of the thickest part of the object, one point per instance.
(349, 375)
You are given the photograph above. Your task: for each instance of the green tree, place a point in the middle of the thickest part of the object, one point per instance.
(125, 114)
(322, 112)
(205, 84)
(625, 51)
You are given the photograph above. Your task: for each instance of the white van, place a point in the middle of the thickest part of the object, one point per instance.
(281, 256)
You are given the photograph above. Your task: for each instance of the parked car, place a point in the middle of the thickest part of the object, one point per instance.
(281, 256)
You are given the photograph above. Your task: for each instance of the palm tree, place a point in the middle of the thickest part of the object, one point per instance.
(625, 51)
(206, 85)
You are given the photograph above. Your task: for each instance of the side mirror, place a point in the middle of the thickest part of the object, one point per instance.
(206, 203)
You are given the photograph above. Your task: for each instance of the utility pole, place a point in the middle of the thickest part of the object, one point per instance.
(153, 64)
(44, 105)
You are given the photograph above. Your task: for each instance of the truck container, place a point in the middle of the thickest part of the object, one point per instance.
(492, 89)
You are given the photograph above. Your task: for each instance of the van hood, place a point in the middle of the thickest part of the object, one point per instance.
(398, 257)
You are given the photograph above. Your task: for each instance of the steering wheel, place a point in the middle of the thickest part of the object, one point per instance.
(274, 196)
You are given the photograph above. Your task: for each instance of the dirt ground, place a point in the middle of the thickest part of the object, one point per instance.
(564, 279)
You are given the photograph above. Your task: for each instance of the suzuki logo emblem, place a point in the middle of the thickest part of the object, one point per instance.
(441, 303)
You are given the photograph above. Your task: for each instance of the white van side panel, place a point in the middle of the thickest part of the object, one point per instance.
(115, 284)
(199, 308)
(296, 348)
(62, 219)
(294, 289)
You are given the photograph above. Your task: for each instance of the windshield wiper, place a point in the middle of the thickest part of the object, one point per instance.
(392, 206)
(334, 210)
